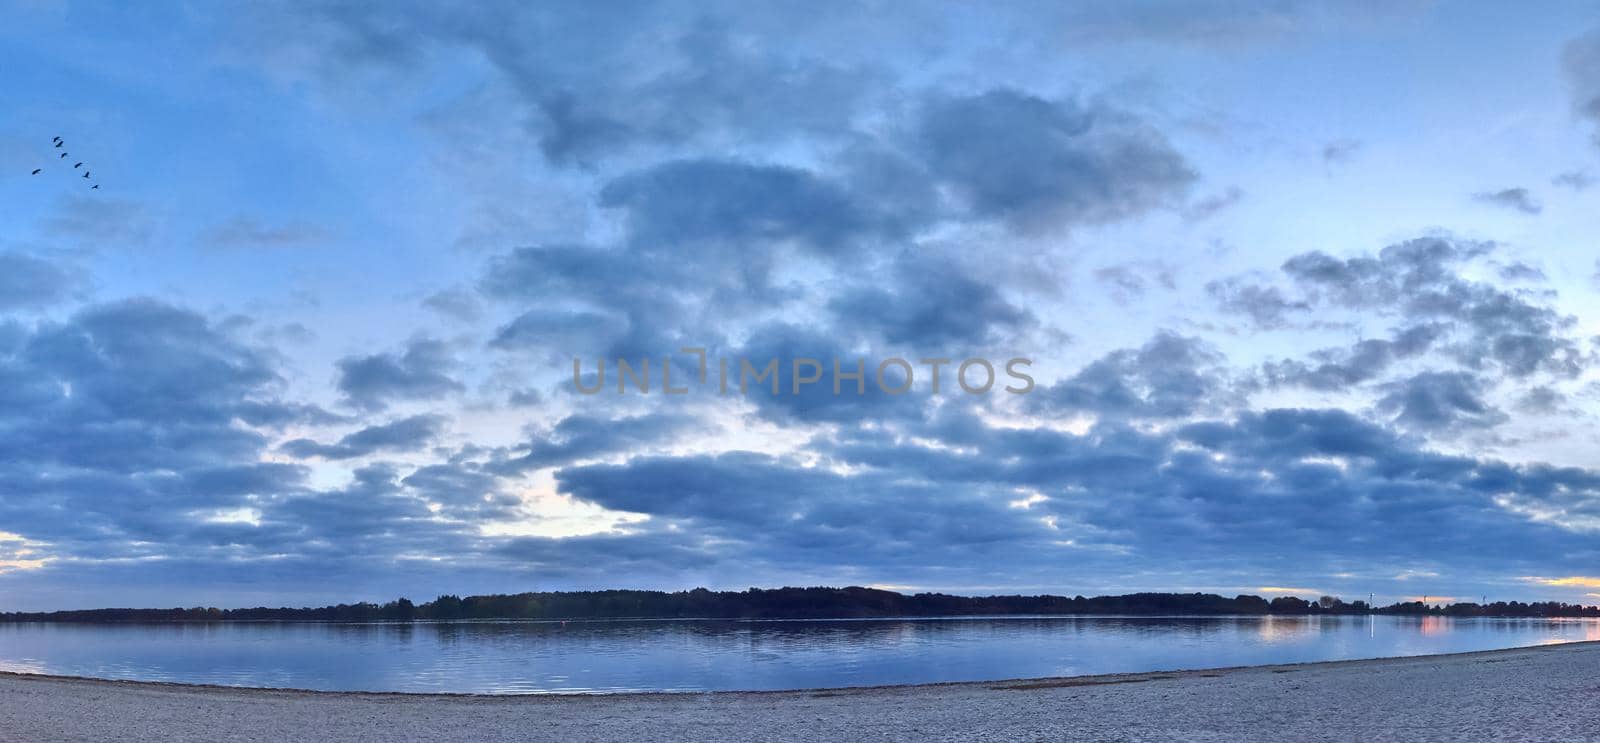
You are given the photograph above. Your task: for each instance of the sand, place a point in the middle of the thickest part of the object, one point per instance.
(1545, 693)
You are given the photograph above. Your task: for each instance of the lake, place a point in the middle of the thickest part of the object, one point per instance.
(508, 657)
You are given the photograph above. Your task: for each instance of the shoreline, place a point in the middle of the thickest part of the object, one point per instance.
(1095, 679)
(1532, 693)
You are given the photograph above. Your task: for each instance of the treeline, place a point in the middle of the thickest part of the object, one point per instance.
(791, 603)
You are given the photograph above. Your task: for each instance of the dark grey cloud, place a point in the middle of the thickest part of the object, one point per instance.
(1397, 271)
(464, 491)
(1419, 280)
(538, 272)
(1171, 376)
(935, 497)
(1340, 151)
(814, 403)
(559, 331)
(121, 427)
(932, 307)
(1519, 271)
(1519, 199)
(28, 282)
(576, 300)
(1266, 306)
(579, 437)
(797, 515)
(1581, 60)
(738, 206)
(1577, 180)
(1339, 369)
(421, 372)
(405, 434)
(594, 82)
(456, 304)
(1035, 163)
(1440, 402)
(1205, 493)
(1542, 400)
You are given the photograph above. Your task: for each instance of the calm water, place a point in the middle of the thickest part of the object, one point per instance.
(514, 657)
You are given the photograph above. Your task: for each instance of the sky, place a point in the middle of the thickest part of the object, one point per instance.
(1307, 292)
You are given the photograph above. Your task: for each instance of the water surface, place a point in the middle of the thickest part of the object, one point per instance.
(520, 657)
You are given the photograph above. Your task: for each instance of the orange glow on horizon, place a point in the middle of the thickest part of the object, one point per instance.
(1581, 581)
(1280, 589)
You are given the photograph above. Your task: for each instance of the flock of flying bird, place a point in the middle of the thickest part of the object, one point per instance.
(59, 143)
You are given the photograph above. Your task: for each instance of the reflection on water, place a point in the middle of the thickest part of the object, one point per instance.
(529, 657)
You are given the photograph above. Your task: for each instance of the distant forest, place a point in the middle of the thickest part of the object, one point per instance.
(793, 603)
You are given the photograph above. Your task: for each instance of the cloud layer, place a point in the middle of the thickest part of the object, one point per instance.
(1234, 389)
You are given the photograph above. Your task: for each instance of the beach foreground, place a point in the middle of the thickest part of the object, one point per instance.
(1541, 693)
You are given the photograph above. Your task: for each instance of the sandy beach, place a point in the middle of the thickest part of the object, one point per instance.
(1541, 693)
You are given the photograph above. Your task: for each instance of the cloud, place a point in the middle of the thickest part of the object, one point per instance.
(637, 305)
(1519, 271)
(456, 304)
(1034, 163)
(1342, 369)
(1209, 206)
(1266, 306)
(1510, 198)
(816, 403)
(577, 437)
(1581, 60)
(1229, 494)
(1418, 280)
(1128, 282)
(595, 83)
(798, 515)
(557, 331)
(27, 282)
(1441, 402)
(735, 206)
(102, 222)
(930, 306)
(464, 491)
(1577, 180)
(1340, 151)
(1171, 376)
(421, 372)
(746, 179)
(406, 434)
(123, 421)
(248, 233)
(1579, 581)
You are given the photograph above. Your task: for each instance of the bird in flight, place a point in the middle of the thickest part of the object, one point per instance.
(59, 144)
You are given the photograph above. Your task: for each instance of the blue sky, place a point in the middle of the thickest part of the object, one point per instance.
(1309, 291)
